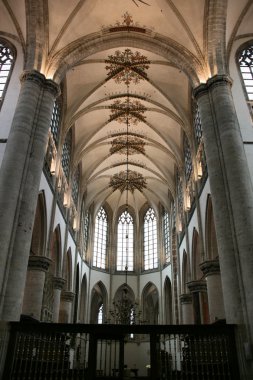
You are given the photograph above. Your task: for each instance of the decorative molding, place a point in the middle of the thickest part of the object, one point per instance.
(185, 298)
(40, 263)
(197, 286)
(40, 79)
(67, 296)
(58, 283)
(215, 81)
(210, 267)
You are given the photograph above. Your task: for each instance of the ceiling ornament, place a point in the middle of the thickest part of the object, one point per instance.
(127, 66)
(132, 145)
(128, 180)
(131, 111)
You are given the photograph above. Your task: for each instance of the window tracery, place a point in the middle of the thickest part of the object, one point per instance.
(100, 239)
(166, 235)
(150, 240)
(125, 242)
(7, 59)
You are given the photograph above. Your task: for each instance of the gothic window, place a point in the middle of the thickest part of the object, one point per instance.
(246, 67)
(100, 239)
(187, 159)
(85, 230)
(150, 240)
(197, 125)
(125, 243)
(66, 154)
(166, 236)
(75, 186)
(7, 56)
(100, 314)
(55, 120)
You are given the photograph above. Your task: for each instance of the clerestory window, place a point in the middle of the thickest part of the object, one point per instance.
(166, 236)
(100, 239)
(7, 59)
(66, 154)
(150, 240)
(246, 68)
(125, 242)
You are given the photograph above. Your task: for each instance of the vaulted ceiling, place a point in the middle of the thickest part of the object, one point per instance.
(128, 68)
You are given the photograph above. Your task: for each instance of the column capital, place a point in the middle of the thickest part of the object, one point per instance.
(216, 80)
(67, 296)
(40, 263)
(210, 267)
(58, 283)
(185, 298)
(197, 286)
(40, 79)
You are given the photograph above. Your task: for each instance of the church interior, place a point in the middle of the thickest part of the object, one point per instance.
(126, 197)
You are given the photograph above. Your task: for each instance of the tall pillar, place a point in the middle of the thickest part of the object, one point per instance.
(58, 284)
(232, 197)
(211, 270)
(186, 308)
(35, 281)
(19, 185)
(66, 306)
(198, 290)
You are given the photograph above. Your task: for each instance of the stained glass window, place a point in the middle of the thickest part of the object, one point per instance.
(55, 121)
(246, 67)
(66, 154)
(6, 66)
(85, 230)
(166, 235)
(125, 244)
(75, 186)
(150, 240)
(187, 159)
(100, 314)
(100, 239)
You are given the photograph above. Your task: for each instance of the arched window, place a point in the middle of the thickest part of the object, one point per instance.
(166, 235)
(85, 230)
(75, 186)
(100, 239)
(150, 240)
(55, 120)
(66, 154)
(7, 57)
(246, 67)
(100, 314)
(187, 159)
(125, 244)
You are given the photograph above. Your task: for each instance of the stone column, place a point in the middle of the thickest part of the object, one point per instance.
(232, 197)
(66, 306)
(186, 308)
(35, 281)
(211, 270)
(198, 290)
(58, 284)
(19, 185)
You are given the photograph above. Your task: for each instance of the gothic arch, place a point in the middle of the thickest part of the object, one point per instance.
(150, 304)
(67, 270)
(55, 252)
(39, 228)
(167, 301)
(82, 301)
(76, 301)
(185, 272)
(211, 239)
(98, 297)
(196, 256)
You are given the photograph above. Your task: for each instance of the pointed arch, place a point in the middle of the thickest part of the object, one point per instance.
(186, 276)
(196, 256)
(76, 293)
(83, 298)
(150, 303)
(55, 252)
(99, 297)
(167, 301)
(38, 242)
(67, 270)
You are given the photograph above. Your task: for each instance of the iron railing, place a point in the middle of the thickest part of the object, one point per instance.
(38, 351)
